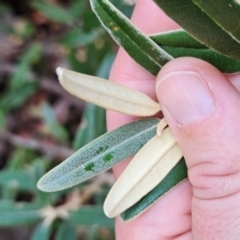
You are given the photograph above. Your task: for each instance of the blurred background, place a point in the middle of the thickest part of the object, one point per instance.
(41, 124)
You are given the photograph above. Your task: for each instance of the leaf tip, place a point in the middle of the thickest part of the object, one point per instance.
(59, 72)
(41, 185)
(108, 210)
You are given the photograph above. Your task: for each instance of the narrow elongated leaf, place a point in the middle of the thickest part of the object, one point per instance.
(149, 167)
(141, 48)
(177, 38)
(93, 125)
(15, 217)
(100, 155)
(174, 177)
(89, 216)
(54, 127)
(53, 11)
(42, 231)
(6, 205)
(191, 18)
(17, 179)
(226, 13)
(179, 44)
(66, 231)
(107, 94)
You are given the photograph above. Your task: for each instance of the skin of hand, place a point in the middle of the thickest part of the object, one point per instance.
(202, 107)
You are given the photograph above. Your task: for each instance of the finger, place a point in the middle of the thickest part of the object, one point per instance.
(169, 218)
(235, 80)
(202, 109)
(126, 72)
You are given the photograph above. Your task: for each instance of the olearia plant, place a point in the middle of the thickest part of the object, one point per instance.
(210, 33)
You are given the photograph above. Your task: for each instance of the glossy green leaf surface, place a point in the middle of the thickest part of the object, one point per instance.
(198, 24)
(179, 44)
(100, 155)
(140, 47)
(226, 13)
(174, 177)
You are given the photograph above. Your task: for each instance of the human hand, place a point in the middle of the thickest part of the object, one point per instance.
(201, 106)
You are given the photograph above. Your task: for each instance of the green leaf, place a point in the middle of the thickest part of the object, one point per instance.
(198, 24)
(66, 231)
(54, 127)
(226, 13)
(100, 155)
(20, 75)
(3, 120)
(93, 125)
(17, 179)
(106, 65)
(19, 214)
(53, 12)
(16, 97)
(179, 44)
(140, 47)
(177, 39)
(77, 38)
(42, 231)
(174, 177)
(6, 204)
(88, 216)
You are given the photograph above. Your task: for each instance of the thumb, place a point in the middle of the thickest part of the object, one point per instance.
(203, 110)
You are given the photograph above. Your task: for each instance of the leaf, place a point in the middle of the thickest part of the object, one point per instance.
(178, 39)
(88, 216)
(66, 231)
(3, 120)
(13, 99)
(6, 204)
(100, 155)
(179, 44)
(107, 94)
(54, 127)
(174, 177)
(162, 154)
(19, 214)
(17, 179)
(77, 38)
(53, 12)
(198, 24)
(140, 47)
(93, 125)
(106, 65)
(42, 231)
(20, 75)
(226, 13)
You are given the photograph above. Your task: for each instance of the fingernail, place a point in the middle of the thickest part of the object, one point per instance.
(185, 96)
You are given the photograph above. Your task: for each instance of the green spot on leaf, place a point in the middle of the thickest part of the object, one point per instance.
(108, 157)
(101, 149)
(89, 167)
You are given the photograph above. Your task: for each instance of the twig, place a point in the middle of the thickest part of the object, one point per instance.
(51, 151)
(46, 83)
